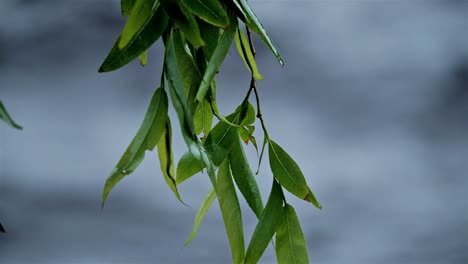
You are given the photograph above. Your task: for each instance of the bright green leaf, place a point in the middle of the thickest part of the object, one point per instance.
(143, 58)
(291, 247)
(254, 24)
(267, 225)
(141, 14)
(206, 204)
(244, 177)
(187, 167)
(147, 36)
(243, 47)
(230, 209)
(210, 11)
(7, 118)
(203, 117)
(217, 59)
(166, 159)
(148, 135)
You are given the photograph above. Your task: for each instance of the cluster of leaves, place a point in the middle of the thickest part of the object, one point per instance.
(197, 35)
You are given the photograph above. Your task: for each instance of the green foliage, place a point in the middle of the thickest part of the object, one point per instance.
(7, 118)
(197, 36)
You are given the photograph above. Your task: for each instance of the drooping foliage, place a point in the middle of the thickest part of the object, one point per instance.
(197, 36)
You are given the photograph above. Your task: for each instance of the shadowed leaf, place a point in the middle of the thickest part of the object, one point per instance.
(210, 11)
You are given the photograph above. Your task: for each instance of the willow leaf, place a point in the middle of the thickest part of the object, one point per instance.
(184, 20)
(143, 58)
(217, 58)
(244, 177)
(203, 118)
(243, 47)
(210, 11)
(166, 159)
(267, 225)
(141, 14)
(210, 35)
(206, 204)
(187, 167)
(148, 35)
(291, 247)
(254, 24)
(148, 135)
(7, 118)
(230, 209)
(126, 6)
(287, 172)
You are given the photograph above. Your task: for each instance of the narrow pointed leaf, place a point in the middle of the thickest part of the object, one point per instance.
(141, 14)
(148, 135)
(287, 172)
(7, 118)
(267, 225)
(254, 24)
(206, 204)
(185, 21)
(291, 247)
(166, 159)
(243, 47)
(244, 177)
(210, 11)
(230, 209)
(217, 59)
(203, 118)
(265, 141)
(210, 35)
(187, 167)
(147, 36)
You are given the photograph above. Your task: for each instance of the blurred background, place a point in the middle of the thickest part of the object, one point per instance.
(372, 103)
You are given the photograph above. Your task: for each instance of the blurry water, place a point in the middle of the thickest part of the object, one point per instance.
(372, 103)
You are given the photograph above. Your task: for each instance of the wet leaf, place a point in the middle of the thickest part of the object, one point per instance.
(254, 24)
(7, 118)
(187, 167)
(243, 47)
(230, 209)
(244, 177)
(148, 135)
(166, 159)
(217, 58)
(210, 11)
(147, 36)
(267, 225)
(291, 247)
(206, 204)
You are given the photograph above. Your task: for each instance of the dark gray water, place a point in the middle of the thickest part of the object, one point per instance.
(372, 103)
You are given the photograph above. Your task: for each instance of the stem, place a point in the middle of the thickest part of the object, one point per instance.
(253, 86)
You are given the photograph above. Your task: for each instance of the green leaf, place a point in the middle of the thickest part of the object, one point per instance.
(178, 95)
(246, 133)
(244, 177)
(266, 226)
(265, 141)
(143, 58)
(254, 24)
(126, 6)
(230, 209)
(187, 167)
(166, 159)
(185, 21)
(210, 11)
(249, 116)
(141, 14)
(7, 118)
(291, 247)
(206, 204)
(243, 47)
(203, 117)
(147, 36)
(287, 172)
(217, 59)
(210, 35)
(148, 135)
